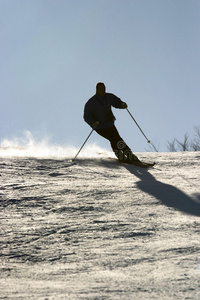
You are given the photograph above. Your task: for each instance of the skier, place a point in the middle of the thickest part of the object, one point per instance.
(98, 114)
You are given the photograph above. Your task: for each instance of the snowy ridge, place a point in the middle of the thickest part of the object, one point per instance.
(96, 229)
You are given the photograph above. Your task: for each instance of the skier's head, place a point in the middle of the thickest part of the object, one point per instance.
(100, 89)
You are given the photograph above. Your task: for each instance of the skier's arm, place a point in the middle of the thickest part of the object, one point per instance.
(117, 102)
(88, 115)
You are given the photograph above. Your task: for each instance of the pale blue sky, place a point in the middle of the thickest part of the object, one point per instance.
(52, 54)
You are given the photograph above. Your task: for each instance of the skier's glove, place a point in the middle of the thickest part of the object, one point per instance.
(95, 124)
(124, 105)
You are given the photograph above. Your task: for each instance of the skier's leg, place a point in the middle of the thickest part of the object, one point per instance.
(120, 148)
(117, 143)
(107, 133)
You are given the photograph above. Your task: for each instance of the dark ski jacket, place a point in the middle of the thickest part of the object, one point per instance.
(99, 109)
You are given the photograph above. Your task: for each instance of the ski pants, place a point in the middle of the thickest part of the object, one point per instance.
(119, 147)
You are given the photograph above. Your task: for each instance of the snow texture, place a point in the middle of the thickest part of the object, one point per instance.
(96, 229)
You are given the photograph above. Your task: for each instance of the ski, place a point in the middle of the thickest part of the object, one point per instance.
(139, 164)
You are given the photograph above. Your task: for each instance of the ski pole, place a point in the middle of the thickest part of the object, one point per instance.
(148, 141)
(83, 145)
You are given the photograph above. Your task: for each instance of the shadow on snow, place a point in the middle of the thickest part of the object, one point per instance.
(166, 193)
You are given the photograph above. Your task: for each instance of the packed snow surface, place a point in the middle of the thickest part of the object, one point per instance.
(97, 229)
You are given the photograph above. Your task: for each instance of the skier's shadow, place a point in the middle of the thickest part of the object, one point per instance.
(166, 193)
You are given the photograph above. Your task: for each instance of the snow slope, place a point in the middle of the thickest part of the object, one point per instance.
(100, 230)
